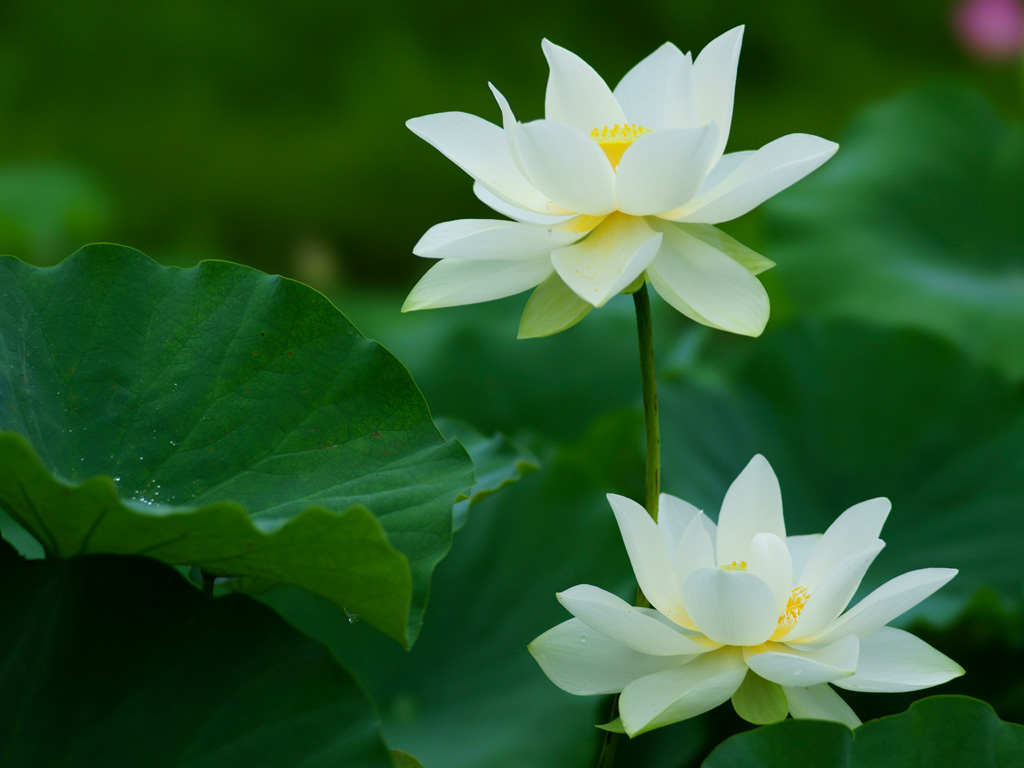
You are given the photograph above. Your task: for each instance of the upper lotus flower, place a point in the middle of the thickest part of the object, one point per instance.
(742, 611)
(611, 188)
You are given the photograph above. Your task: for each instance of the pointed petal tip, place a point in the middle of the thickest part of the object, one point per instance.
(736, 32)
(758, 460)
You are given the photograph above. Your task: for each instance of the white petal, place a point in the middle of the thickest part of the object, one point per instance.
(730, 607)
(801, 548)
(674, 515)
(759, 701)
(682, 692)
(884, 604)
(749, 259)
(585, 662)
(769, 560)
(723, 169)
(551, 308)
(695, 550)
(854, 530)
(820, 702)
(524, 215)
(576, 94)
(567, 166)
(480, 149)
(453, 282)
(609, 259)
(714, 82)
(511, 130)
(706, 285)
(615, 618)
(765, 173)
(658, 92)
(648, 555)
(892, 661)
(752, 505)
(489, 239)
(662, 170)
(833, 593)
(792, 667)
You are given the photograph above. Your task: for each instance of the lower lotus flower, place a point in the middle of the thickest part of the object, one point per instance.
(742, 611)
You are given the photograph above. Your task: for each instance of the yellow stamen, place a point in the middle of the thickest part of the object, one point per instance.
(734, 566)
(796, 603)
(615, 139)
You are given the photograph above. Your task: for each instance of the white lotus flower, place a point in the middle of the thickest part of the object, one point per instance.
(742, 611)
(610, 189)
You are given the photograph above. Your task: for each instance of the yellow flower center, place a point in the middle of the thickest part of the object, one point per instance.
(734, 566)
(615, 139)
(796, 603)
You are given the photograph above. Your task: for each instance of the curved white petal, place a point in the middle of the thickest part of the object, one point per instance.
(452, 282)
(480, 149)
(730, 607)
(765, 173)
(854, 530)
(526, 216)
(615, 618)
(892, 660)
(720, 171)
(831, 595)
(551, 308)
(681, 692)
(609, 259)
(567, 166)
(576, 94)
(582, 661)
(752, 505)
(801, 548)
(510, 125)
(489, 239)
(749, 259)
(759, 701)
(884, 604)
(820, 702)
(694, 551)
(794, 667)
(714, 82)
(769, 560)
(648, 555)
(674, 515)
(658, 92)
(706, 285)
(662, 170)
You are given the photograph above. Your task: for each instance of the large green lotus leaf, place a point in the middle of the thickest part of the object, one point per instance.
(843, 414)
(181, 397)
(117, 661)
(937, 731)
(916, 222)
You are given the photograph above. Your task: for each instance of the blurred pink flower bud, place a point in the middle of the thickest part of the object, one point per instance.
(991, 29)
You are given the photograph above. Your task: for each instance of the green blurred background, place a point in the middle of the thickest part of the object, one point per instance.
(273, 134)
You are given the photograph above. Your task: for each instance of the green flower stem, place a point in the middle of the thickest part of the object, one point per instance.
(644, 329)
(645, 335)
